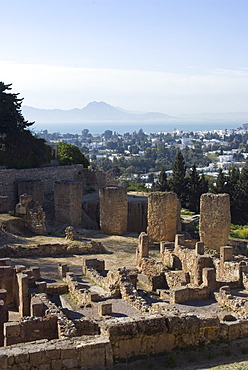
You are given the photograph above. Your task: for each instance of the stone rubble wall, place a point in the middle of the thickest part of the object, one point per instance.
(79, 248)
(29, 329)
(81, 352)
(236, 304)
(48, 175)
(66, 328)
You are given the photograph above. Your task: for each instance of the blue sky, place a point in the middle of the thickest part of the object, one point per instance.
(171, 56)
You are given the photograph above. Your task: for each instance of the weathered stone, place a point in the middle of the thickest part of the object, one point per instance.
(215, 220)
(68, 202)
(113, 210)
(162, 216)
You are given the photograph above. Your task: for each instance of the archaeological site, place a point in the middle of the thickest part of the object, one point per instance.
(91, 275)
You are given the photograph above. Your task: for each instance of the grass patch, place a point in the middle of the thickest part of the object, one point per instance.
(239, 231)
(185, 212)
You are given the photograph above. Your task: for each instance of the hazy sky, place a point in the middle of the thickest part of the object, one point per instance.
(171, 56)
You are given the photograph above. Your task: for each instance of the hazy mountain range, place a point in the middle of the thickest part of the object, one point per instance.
(103, 112)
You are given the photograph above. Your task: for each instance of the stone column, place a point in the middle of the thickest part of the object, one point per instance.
(68, 202)
(215, 220)
(199, 248)
(113, 209)
(62, 270)
(24, 306)
(162, 216)
(142, 250)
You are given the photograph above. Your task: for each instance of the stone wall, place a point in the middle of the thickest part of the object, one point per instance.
(47, 175)
(52, 249)
(30, 329)
(68, 202)
(215, 220)
(162, 216)
(82, 352)
(113, 209)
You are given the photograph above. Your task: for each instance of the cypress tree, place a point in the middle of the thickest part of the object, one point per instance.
(178, 180)
(162, 184)
(194, 191)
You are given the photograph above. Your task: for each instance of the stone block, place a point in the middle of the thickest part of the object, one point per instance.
(41, 286)
(104, 309)
(199, 248)
(93, 297)
(11, 329)
(226, 253)
(36, 272)
(37, 307)
(62, 270)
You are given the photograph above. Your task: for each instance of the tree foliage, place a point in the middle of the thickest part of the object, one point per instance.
(178, 182)
(70, 154)
(18, 147)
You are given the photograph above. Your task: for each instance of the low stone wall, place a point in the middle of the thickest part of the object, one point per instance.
(184, 294)
(52, 249)
(30, 329)
(82, 352)
(157, 333)
(226, 299)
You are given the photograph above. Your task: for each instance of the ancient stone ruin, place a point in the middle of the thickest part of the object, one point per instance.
(215, 220)
(88, 314)
(163, 216)
(113, 210)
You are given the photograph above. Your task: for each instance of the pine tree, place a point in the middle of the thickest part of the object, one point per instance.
(18, 147)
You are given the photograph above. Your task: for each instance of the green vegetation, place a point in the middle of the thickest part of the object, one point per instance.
(18, 147)
(70, 154)
(239, 231)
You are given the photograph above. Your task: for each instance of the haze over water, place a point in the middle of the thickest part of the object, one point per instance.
(123, 127)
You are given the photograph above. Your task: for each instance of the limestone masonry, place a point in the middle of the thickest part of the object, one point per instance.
(180, 289)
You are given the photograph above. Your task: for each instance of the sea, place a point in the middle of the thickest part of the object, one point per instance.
(124, 127)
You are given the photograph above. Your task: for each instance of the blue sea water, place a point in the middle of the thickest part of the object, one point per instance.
(123, 127)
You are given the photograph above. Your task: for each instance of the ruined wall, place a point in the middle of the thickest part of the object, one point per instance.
(52, 249)
(80, 352)
(68, 202)
(47, 175)
(30, 329)
(215, 220)
(113, 209)
(162, 216)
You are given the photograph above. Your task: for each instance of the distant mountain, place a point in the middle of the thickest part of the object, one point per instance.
(103, 112)
(93, 112)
